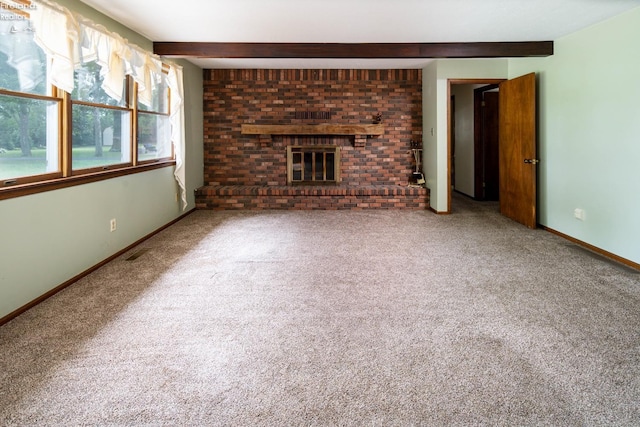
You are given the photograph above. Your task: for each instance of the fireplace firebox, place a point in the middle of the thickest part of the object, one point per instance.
(314, 164)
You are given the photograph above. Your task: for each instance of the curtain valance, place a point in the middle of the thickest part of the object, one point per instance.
(69, 40)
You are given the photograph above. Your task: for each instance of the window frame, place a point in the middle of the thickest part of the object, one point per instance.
(66, 176)
(136, 116)
(27, 179)
(82, 171)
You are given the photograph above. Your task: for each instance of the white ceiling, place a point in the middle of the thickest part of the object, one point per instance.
(354, 21)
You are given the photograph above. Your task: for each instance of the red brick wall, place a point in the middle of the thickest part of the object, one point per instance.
(234, 97)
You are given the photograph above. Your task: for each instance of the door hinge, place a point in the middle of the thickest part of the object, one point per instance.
(532, 161)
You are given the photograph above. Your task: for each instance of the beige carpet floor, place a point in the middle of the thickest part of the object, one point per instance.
(376, 318)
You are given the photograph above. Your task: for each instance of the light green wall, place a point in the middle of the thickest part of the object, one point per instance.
(194, 127)
(588, 131)
(429, 125)
(589, 134)
(435, 102)
(49, 238)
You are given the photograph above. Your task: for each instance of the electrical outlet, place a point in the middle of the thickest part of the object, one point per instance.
(112, 225)
(578, 214)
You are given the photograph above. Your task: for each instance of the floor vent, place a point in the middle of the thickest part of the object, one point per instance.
(137, 254)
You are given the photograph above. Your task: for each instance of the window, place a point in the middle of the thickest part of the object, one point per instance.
(154, 127)
(29, 116)
(101, 124)
(82, 108)
(29, 137)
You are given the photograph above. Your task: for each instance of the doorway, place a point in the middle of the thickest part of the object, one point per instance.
(516, 105)
(472, 142)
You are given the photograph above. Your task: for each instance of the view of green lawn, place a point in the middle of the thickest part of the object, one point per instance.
(14, 165)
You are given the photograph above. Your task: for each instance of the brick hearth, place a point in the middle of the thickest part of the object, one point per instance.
(223, 197)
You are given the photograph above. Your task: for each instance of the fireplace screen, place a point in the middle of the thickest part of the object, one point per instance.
(315, 164)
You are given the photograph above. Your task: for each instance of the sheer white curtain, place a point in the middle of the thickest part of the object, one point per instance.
(56, 32)
(108, 50)
(177, 128)
(23, 55)
(70, 40)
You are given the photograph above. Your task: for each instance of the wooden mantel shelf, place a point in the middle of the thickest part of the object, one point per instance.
(317, 129)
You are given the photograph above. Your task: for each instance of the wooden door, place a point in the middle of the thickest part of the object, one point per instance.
(517, 149)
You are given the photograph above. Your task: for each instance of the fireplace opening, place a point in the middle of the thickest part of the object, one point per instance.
(315, 164)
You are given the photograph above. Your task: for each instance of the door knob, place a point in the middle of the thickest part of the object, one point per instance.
(532, 161)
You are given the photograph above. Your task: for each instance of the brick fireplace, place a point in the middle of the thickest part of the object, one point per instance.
(265, 128)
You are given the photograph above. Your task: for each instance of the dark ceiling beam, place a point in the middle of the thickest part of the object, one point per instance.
(354, 50)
